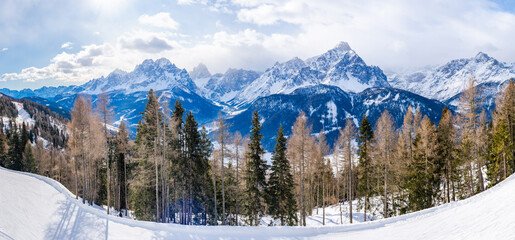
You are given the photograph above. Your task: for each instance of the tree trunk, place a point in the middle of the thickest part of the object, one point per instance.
(323, 202)
(350, 181)
(223, 184)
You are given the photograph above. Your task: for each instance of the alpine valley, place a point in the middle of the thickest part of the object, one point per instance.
(330, 88)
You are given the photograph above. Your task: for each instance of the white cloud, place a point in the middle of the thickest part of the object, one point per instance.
(66, 45)
(389, 33)
(4, 49)
(160, 20)
(392, 33)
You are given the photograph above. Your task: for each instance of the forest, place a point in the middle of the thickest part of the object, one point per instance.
(176, 171)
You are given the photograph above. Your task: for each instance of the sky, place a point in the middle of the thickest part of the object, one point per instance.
(58, 42)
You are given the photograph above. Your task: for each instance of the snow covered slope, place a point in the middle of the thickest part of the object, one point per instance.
(35, 207)
(445, 81)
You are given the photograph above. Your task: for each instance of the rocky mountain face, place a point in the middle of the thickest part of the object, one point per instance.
(340, 67)
(328, 107)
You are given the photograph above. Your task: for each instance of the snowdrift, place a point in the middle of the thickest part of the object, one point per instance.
(36, 207)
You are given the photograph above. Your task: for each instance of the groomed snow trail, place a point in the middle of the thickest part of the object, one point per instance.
(36, 207)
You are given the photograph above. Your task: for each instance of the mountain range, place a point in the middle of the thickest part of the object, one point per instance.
(330, 88)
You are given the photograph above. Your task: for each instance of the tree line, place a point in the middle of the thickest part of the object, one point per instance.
(174, 172)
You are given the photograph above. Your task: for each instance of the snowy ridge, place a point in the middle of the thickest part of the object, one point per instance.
(53, 213)
(340, 67)
(445, 81)
(158, 75)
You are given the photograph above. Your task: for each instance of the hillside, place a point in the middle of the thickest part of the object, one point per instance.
(35, 207)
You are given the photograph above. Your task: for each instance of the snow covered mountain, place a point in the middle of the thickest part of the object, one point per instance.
(52, 212)
(445, 81)
(128, 92)
(158, 75)
(328, 107)
(340, 67)
(224, 87)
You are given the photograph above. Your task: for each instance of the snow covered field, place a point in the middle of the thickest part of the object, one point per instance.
(35, 207)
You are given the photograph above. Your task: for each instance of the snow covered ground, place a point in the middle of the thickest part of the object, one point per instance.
(35, 207)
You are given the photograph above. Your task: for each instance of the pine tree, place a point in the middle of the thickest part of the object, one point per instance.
(255, 178)
(237, 142)
(176, 148)
(365, 167)
(281, 200)
(28, 159)
(14, 153)
(197, 166)
(3, 148)
(206, 148)
(446, 135)
(121, 157)
(147, 150)
(423, 174)
(501, 138)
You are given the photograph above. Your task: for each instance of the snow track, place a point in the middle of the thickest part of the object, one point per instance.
(36, 207)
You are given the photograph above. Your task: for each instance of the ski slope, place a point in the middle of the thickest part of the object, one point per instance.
(35, 207)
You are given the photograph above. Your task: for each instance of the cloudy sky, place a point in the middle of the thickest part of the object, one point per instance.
(58, 42)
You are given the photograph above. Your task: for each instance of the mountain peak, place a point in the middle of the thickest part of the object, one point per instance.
(344, 46)
(482, 57)
(200, 71)
(149, 64)
(163, 62)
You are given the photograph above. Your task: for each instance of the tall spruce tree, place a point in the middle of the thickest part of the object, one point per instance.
(280, 197)
(121, 157)
(501, 162)
(3, 147)
(206, 148)
(446, 152)
(176, 147)
(255, 177)
(365, 167)
(28, 159)
(147, 147)
(423, 174)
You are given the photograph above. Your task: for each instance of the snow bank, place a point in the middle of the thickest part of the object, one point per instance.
(36, 207)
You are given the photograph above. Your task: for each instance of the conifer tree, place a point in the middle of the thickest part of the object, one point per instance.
(15, 151)
(446, 152)
(365, 167)
(255, 177)
(28, 159)
(3, 148)
(176, 147)
(281, 200)
(501, 140)
(147, 149)
(423, 174)
(121, 157)
(206, 148)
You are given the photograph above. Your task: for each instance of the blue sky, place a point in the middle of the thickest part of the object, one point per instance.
(57, 42)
